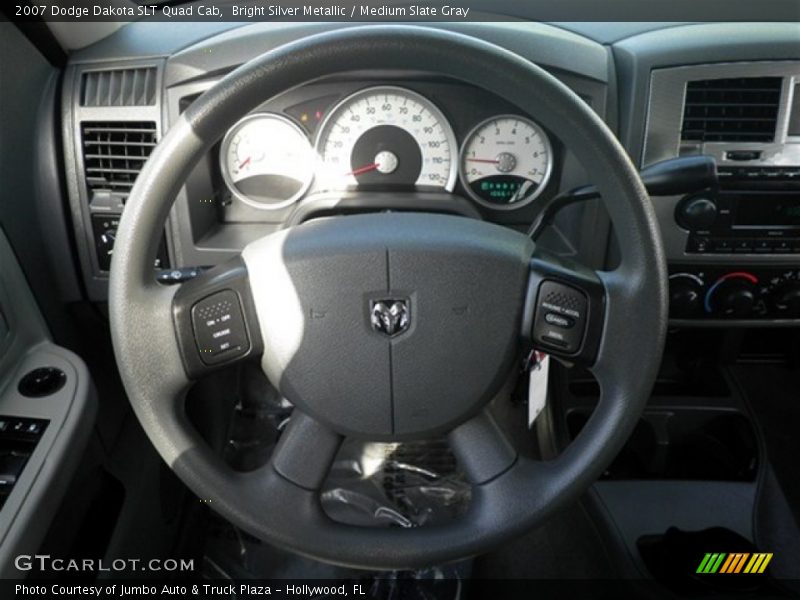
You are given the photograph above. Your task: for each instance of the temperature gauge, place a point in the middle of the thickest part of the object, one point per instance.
(506, 162)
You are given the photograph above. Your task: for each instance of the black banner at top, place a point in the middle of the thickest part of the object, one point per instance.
(403, 11)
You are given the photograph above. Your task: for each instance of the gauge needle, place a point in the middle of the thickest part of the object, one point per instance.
(244, 163)
(491, 161)
(364, 169)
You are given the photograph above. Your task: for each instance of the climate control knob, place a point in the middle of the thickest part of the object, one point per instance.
(732, 295)
(787, 300)
(697, 212)
(105, 247)
(685, 295)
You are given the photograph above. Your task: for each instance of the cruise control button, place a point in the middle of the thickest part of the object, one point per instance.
(559, 320)
(219, 328)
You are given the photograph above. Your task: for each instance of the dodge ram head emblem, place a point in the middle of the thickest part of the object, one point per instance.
(390, 317)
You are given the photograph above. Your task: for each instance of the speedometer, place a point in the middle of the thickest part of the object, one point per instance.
(386, 137)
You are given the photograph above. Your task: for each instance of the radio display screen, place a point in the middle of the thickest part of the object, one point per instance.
(766, 210)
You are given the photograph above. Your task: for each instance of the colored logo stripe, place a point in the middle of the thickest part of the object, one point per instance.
(736, 562)
(727, 564)
(758, 563)
(710, 563)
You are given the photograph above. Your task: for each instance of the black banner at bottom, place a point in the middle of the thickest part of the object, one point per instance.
(394, 588)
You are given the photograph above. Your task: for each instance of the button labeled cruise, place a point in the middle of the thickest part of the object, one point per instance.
(559, 320)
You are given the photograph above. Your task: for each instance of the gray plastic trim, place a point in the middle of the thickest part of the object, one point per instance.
(36, 496)
(73, 115)
(665, 112)
(24, 322)
(32, 503)
(544, 44)
(50, 205)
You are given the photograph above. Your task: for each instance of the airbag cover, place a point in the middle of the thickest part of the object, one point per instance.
(390, 325)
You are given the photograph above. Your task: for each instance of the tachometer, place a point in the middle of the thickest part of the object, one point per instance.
(267, 161)
(386, 137)
(506, 162)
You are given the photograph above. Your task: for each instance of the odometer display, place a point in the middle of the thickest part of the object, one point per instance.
(506, 162)
(386, 137)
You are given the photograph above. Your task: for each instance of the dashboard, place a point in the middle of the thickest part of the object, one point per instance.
(382, 138)
(413, 135)
(725, 89)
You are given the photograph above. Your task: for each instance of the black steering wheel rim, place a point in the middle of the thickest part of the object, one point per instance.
(511, 494)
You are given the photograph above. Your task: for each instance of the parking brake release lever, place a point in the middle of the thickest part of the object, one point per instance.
(671, 177)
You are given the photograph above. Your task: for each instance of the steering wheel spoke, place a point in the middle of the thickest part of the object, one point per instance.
(564, 309)
(305, 451)
(215, 320)
(482, 449)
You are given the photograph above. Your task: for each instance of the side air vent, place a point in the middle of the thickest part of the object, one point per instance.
(742, 109)
(119, 87)
(114, 153)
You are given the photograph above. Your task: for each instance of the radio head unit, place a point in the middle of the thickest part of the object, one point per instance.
(755, 211)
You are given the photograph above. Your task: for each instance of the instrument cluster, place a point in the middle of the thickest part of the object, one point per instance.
(383, 138)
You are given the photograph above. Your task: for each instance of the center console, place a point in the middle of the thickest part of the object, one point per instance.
(691, 475)
(733, 252)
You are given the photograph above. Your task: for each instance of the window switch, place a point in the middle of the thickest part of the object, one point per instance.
(11, 465)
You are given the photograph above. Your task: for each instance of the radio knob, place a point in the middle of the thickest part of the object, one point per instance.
(787, 301)
(698, 212)
(685, 297)
(732, 295)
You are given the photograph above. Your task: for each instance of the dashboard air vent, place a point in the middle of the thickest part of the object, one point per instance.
(114, 153)
(742, 109)
(119, 87)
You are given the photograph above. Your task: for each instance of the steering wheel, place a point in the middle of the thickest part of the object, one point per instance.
(389, 326)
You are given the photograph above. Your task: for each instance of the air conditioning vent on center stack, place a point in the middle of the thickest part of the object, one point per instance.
(114, 153)
(742, 109)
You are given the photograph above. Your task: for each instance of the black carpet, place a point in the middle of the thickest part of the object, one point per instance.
(773, 393)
